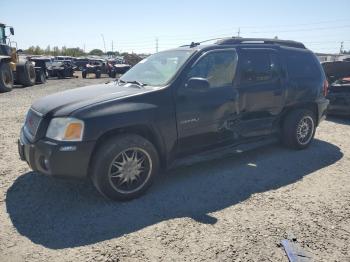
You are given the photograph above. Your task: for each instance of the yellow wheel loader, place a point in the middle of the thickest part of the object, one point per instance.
(13, 70)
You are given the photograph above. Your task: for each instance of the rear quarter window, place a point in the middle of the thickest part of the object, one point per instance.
(302, 65)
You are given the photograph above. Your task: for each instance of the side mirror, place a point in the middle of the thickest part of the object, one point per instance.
(198, 83)
(12, 31)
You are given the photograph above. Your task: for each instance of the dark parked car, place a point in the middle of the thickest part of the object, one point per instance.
(338, 74)
(173, 104)
(96, 67)
(64, 58)
(61, 69)
(81, 62)
(117, 67)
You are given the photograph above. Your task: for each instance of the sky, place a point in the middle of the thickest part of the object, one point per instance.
(135, 25)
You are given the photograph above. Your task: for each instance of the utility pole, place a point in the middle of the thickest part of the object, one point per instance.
(156, 44)
(341, 47)
(239, 32)
(104, 43)
(112, 45)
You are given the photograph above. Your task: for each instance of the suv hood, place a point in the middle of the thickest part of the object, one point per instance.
(64, 103)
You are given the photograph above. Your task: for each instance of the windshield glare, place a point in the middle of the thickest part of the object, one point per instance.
(158, 69)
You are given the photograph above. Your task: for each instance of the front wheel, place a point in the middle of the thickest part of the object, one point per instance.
(26, 74)
(299, 129)
(98, 74)
(124, 167)
(6, 77)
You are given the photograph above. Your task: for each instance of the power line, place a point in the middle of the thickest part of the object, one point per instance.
(303, 30)
(262, 26)
(228, 31)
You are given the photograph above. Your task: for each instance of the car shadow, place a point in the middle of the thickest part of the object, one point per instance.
(344, 120)
(59, 213)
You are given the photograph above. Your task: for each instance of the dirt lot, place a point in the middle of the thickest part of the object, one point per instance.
(236, 208)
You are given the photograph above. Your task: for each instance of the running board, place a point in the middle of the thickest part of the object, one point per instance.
(222, 152)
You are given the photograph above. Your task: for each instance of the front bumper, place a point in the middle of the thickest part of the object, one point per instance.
(56, 158)
(322, 105)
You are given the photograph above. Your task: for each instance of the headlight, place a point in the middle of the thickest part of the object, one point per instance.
(65, 129)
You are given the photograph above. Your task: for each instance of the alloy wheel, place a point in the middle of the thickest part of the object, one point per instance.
(305, 130)
(130, 170)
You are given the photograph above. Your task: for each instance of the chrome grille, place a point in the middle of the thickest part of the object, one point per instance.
(32, 123)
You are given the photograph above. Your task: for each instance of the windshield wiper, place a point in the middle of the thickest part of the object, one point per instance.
(135, 82)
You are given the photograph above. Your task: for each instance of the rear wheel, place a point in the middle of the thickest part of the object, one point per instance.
(299, 129)
(112, 74)
(124, 167)
(42, 77)
(6, 77)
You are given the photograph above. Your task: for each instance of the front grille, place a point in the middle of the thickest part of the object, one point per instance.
(32, 123)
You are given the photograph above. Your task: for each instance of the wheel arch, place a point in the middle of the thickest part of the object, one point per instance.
(142, 130)
(312, 106)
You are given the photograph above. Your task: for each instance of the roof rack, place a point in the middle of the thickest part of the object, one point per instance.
(240, 40)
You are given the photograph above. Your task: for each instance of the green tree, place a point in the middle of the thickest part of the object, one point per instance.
(98, 52)
(64, 50)
(38, 51)
(30, 50)
(76, 51)
(110, 53)
(56, 51)
(48, 50)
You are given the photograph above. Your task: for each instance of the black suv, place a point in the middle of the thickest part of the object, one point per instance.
(175, 103)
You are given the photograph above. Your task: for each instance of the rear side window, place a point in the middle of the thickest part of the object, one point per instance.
(259, 66)
(301, 65)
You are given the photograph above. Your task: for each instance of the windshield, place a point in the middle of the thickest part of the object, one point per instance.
(158, 69)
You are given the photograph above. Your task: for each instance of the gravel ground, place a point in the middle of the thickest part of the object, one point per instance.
(235, 208)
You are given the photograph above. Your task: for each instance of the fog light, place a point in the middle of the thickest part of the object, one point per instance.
(46, 164)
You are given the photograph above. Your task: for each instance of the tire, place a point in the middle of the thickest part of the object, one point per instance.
(110, 160)
(83, 74)
(299, 129)
(6, 78)
(42, 77)
(60, 74)
(25, 74)
(98, 74)
(112, 74)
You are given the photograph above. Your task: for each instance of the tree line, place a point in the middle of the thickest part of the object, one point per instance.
(67, 51)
